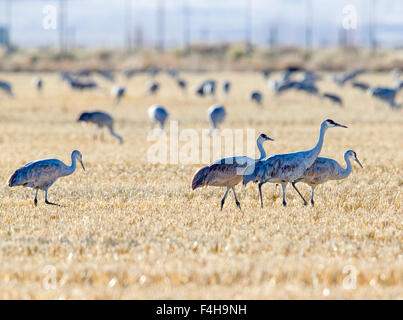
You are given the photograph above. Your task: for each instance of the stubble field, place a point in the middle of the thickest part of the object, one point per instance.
(134, 230)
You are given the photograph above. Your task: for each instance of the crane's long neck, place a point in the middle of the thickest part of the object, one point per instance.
(70, 169)
(314, 152)
(112, 131)
(345, 172)
(261, 149)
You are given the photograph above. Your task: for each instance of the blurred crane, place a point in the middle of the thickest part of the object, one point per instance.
(153, 87)
(216, 115)
(226, 87)
(257, 97)
(38, 83)
(117, 93)
(7, 88)
(157, 113)
(101, 119)
(333, 98)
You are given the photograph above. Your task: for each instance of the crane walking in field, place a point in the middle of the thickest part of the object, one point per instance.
(227, 172)
(6, 87)
(153, 87)
(101, 119)
(38, 83)
(325, 169)
(226, 87)
(216, 115)
(334, 98)
(118, 92)
(157, 113)
(257, 97)
(41, 174)
(286, 168)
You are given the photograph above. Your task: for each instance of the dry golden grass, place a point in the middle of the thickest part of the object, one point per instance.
(136, 230)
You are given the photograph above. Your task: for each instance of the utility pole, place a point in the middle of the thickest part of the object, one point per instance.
(186, 25)
(160, 25)
(248, 24)
(308, 24)
(128, 25)
(371, 25)
(9, 13)
(62, 12)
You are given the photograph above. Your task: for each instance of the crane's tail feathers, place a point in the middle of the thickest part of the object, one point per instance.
(200, 177)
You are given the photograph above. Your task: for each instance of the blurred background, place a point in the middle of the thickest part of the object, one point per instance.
(201, 34)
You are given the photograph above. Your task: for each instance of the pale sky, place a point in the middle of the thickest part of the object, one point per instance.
(101, 23)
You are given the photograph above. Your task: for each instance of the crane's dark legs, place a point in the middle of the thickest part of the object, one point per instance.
(48, 202)
(293, 184)
(236, 200)
(36, 198)
(260, 191)
(260, 194)
(223, 199)
(284, 186)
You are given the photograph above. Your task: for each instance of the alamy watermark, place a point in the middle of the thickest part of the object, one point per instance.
(349, 21)
(49, 20)
(190, 146)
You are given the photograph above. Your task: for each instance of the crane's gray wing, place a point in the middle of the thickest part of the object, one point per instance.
(37, 173)
(322, 170)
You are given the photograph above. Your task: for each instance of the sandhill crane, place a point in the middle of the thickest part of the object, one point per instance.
(307, 86)
(173, 73)
(153, 71)
(266, 73)
(101, 119)
(181, 83)
(207, 87)
(325, 169)
(334, 98)
(310, 76)
(130, 73)
(118, 92)
(279, 87)
(287, 74)
(227, 172)
(216, 115)
(106, 75)
(257, 97)
(361, 85)
(38, 83)
(385, 94)
(6, 87)
(226, 87)
(286, 168)
(77, 84)
(153, 87)
(41, 174)
(157, 113)
(342, 79)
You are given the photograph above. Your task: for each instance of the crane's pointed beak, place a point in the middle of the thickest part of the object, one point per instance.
(358, 161)
(340, 125)
(82, 165)
(271, 139)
